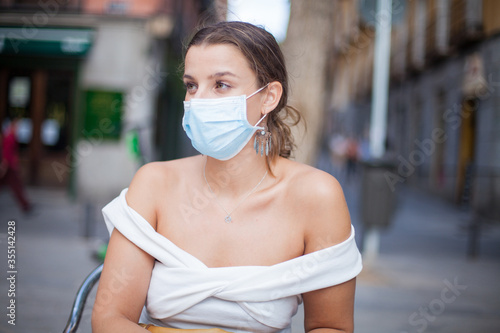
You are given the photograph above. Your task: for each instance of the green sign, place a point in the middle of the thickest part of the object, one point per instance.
(103, 112)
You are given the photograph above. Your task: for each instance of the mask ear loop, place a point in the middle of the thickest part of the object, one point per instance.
(260, 120)
(259, 90)
(257, 142)
(262, 137)
(256, 92)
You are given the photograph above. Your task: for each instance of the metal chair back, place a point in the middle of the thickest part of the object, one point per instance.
(81, 299)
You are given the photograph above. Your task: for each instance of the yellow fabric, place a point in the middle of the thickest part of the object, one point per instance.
(158, 329)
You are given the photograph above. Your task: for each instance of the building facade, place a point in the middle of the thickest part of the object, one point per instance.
(444, 98)
(88, 81)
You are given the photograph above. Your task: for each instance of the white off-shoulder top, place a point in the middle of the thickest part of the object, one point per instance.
(185, 293)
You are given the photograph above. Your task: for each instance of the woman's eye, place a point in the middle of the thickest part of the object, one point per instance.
(221, 85)
(190, 87)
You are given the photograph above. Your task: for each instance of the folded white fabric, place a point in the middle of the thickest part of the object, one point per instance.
(185, 293)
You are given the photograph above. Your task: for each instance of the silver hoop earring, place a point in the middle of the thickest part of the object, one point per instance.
(262, 142)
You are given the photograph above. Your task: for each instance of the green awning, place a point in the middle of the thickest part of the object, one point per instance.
(45, 41)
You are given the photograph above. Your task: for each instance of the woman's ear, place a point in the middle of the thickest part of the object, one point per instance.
(272, 98)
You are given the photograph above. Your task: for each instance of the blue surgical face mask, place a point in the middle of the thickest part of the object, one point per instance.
(218, 127)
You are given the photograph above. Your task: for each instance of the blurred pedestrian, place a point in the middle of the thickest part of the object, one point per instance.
(352, 154)
(9, 166)
(364, 147)
(3, 162)
(338, 147)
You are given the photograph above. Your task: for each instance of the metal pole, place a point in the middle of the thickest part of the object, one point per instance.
(382, 53)
(378, 124)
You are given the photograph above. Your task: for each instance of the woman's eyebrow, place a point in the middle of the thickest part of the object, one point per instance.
(220, 74)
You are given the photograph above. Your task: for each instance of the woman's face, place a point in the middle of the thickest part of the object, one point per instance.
(221, 70)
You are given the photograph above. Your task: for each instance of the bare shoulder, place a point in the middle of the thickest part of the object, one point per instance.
(319, 200)
(153, 181)
(311, 184)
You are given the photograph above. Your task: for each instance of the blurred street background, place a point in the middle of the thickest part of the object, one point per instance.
(402, 104)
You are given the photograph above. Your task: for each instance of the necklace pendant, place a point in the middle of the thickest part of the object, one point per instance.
(228, 219)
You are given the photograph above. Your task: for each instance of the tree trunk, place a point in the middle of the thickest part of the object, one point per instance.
(306, 48)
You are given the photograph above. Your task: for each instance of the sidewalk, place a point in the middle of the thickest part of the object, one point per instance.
(421, 281)
(52, 259)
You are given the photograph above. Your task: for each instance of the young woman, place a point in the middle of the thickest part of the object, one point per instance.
(237, 237)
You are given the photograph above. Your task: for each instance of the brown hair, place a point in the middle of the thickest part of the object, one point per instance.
(266, 59)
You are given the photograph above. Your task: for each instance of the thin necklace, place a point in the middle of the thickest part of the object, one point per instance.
(228, 218)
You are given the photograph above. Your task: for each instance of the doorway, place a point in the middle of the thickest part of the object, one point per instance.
(41, 100)
(466, 151)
